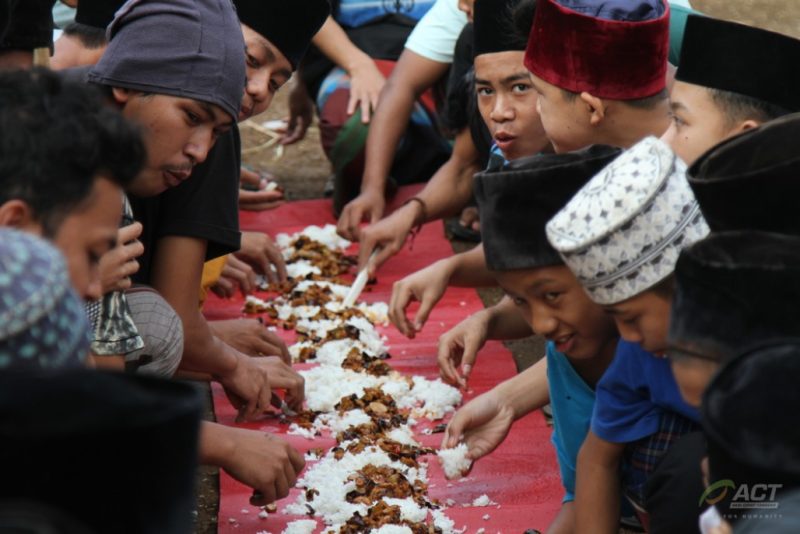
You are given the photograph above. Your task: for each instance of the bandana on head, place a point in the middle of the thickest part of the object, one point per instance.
(185, 48)
(288, 24)
(622, 233)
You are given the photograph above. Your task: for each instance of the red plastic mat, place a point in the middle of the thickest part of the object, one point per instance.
(521, 475)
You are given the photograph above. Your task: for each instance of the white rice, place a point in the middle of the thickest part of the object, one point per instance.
(337, 290)
(301, 269)
(409, 510)
(483, 500)
(454, 461)
(301, 526)
(286, 310)
(393, 529)
(325, 386)
(326, 235)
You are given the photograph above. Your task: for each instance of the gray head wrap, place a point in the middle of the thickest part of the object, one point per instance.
(185, 48)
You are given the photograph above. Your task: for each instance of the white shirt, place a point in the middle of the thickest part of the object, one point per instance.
(434, 37)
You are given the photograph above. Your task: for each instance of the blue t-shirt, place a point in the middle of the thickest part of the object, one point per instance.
(355, 13)
(572, 401)
(633, 393)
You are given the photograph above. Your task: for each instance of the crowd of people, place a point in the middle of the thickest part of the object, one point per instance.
(626, 165)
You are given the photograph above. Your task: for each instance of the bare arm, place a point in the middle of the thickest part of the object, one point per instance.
(366, 81)
(412, 75)
(597, 488)
(177, 271)
(447, 192)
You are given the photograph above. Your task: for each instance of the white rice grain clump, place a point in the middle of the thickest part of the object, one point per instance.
(447, 525)
(483, 500)
(337, 290)
(294, 350)
(334, 352)
(296, 430)
(301, 526)
(286, 310)
(326, 235)
(377, 312)
(403, 434)
(409, 510)
(325, 386)
(430, 398)
(393, 529)
(329, 478)
(301, 269)
(454, 461)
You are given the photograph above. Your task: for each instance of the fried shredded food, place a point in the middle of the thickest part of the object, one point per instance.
(362, 362)
(329, 262)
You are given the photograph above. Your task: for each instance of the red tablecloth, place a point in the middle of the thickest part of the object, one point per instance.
(521, 475)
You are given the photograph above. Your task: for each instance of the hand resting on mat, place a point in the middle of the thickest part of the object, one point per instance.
(251, 337)
(236, 275)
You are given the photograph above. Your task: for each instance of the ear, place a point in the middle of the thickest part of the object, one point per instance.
(18, 214)
(743, 126)
(595, 106)
(121, 95)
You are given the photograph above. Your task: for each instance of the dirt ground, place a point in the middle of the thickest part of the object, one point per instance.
(302, 170)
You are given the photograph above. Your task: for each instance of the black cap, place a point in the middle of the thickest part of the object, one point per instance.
(741, 59)
(495, 29)
(750, 182)
(288, 24)
(734, 289)
(517, 202)
(751, 418)
(97, 13)
(116, 452)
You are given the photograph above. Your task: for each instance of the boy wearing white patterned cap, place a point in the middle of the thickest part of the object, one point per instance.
(621, 236)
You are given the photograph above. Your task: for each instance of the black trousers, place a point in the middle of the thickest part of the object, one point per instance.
(675, 486)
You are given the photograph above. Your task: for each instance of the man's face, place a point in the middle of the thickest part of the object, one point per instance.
(178, 134)
(555, 305)
(267, 70)
(566, 122)
(697, 122)
(89, 232)
(644, 319)
(507, 103)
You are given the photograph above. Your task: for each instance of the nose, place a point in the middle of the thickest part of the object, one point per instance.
(200, 144)
(502, 111)
(258, 89)
(542, 321)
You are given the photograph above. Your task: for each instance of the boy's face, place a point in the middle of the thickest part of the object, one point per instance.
(697, 122)
(178, 134)
(555, 305)
(644, 319)
(267, 70)
(89, 232)
(507, 103)
(566, 122)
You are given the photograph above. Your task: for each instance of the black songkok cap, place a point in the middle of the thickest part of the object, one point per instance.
(751, 418)
(288, 24)
(734, 289)
(495, 29)
(741, 59)
(750, 182)
(97, 13)
(516, 203)
(116, 451)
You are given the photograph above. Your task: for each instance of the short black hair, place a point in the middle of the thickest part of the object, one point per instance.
(648, 102)
(665, 288)
(738, 107)
(89, 36)
(57, 137)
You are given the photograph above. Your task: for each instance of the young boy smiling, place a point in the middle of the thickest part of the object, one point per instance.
(621, 236)
(514, 205)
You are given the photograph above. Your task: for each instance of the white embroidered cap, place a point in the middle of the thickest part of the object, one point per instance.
(622, 232)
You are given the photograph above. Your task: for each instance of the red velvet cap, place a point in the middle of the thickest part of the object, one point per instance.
(614, 59)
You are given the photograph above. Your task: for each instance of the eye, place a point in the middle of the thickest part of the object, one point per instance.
(273, 86)
(520, 88)
(551, 296)
(484, 91)
(192, 117)
(677, 120)
(253, 62)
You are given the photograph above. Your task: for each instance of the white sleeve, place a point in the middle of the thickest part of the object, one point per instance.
(434, 37)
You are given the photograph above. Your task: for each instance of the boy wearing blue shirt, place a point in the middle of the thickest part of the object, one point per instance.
(621, 236)
(514, 205)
